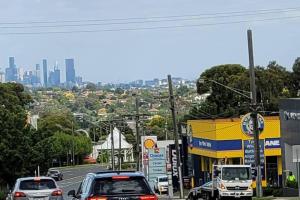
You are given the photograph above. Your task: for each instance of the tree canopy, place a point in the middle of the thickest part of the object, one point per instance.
(15, 135)
(273, 82)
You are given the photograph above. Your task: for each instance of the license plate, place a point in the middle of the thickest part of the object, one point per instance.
(237, 195)
(38, 199)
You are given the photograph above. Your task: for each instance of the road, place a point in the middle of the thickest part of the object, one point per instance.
(73, 177)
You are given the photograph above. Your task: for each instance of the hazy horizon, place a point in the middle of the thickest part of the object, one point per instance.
(181, 38)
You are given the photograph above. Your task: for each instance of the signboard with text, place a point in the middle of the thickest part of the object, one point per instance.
(157, 163)
(249, 154)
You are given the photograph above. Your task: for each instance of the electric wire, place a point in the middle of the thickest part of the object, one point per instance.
(156, 17)
(163, 19)
(149, 28)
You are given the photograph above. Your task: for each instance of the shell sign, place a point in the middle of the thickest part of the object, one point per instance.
(149, 143)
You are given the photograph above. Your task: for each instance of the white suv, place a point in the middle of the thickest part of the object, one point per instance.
(161, 184)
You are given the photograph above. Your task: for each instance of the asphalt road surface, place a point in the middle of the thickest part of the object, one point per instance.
(73, 176)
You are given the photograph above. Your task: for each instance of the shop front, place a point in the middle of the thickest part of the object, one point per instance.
(225, 141)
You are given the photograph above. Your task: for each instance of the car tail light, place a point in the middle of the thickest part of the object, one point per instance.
(148, 197)
(57, 193)
(96, 198)
(19, 194)
(120, 177)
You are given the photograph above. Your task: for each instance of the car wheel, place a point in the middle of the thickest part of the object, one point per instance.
(206, 196)
(220, 197)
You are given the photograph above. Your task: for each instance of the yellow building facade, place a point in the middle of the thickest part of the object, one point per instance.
(223, 141)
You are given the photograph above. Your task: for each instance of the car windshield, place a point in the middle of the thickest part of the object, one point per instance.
(42, 184)
(236, 173)
(208, 184)
(163, 179)
(132, 185)
(53, 172)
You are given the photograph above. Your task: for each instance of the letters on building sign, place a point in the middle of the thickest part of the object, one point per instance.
(291, 115)
(174, 163)
(272, 143)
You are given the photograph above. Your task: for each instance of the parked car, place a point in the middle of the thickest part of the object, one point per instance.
(161, 184)
(89, 160)
(37, 188)
(55, 174)
(114, 185)
(203, 191)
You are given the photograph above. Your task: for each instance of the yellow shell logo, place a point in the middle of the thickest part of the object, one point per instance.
(149, 144)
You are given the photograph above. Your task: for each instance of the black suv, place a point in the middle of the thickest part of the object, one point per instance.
(114, 185)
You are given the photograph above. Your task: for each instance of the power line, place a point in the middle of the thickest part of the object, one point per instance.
(149, 20)
(150, 28)
(155, 17)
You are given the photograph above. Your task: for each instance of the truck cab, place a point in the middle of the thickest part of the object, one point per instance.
(232, 181)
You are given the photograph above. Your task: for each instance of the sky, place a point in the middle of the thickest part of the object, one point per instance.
(147, 49)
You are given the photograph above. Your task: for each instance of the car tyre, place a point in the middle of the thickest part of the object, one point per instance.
(191, 197)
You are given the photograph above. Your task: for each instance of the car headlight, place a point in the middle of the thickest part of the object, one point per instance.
(223, 186)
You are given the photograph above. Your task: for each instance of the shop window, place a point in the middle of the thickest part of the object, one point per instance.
(272, 171)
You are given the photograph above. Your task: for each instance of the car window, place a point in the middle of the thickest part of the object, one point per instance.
(132, 185)
(79, 190)
(41, 184)
(163, 179)
(84, 185)
(208, 184)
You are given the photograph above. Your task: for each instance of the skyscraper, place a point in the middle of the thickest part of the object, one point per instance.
(2, 77)
(45, 72)
(11, 73)
(56, 76)
(37, 75)
(70, 71)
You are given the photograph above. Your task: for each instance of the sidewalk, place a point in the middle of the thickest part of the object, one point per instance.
(287, 198)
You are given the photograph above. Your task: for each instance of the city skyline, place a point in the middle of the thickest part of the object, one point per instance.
(125, 51)
(42, 76)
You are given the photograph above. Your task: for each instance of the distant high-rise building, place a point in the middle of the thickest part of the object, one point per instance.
(70, 71)
(56, 76)
(2, 77)
(45, 72)
(38, 74)
(11, 73)
(78, 80)
(12, 62)
(20, 73)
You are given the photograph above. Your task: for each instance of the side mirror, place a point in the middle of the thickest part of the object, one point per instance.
(71, 193)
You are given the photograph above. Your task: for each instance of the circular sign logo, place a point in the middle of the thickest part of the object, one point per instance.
(247, 124)
(149, 143)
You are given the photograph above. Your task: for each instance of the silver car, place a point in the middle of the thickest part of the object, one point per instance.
(35, 188)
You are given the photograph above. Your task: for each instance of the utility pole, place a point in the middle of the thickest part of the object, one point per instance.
(254, 113)
(94, 134)
(120, 145)
(172, 102)
(112, 146)
(137, 119)
(73, 148)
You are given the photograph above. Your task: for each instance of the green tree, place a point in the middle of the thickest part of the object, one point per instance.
(273, 82)
(15, 134)
(91, 86)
